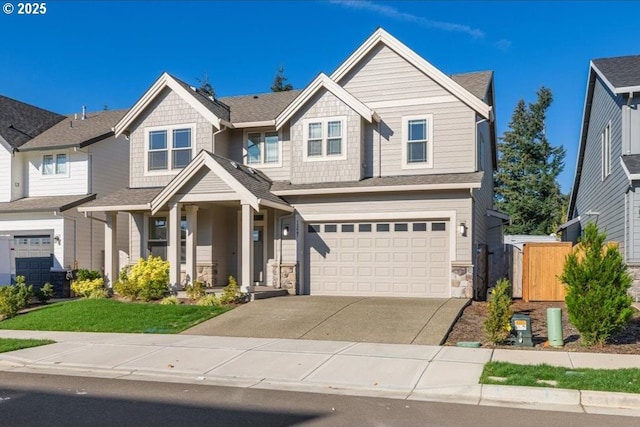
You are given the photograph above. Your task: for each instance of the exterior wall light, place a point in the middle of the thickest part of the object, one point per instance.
(462, 229)
(285, 231)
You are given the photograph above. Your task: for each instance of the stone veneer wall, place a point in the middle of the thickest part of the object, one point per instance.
(206, 273)
(634, 291)
(288, 277)
(462, 281)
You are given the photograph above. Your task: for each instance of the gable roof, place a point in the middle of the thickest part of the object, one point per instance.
(477, 83)
(621, 74)
(381, 36)
(20, 122)
(251, 185)
(212, 110)
(262, 108)
(72, 132)
(320, 82)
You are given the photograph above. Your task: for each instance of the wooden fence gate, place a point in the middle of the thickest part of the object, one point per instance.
(542, 263)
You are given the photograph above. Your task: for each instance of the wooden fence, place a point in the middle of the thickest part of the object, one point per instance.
(542, 263)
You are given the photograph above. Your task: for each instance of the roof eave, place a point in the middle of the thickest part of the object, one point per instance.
(376, 189)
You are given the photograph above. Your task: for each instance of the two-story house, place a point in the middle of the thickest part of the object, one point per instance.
(606, 185)
(45, 176)
(375, 180)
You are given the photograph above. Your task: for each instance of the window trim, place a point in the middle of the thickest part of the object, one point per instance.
(262, 164)
(405, 142)
(54, 157)
(169, 129)
(165, 242)
(325, 139)
(605, 141)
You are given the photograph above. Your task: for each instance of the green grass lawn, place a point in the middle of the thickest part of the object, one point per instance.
(11, 344)
(617, 380)
(107, 315)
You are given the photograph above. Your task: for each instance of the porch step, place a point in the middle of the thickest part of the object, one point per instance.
(264, 292)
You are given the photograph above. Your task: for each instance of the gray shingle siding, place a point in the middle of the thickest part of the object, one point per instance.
(595, 195)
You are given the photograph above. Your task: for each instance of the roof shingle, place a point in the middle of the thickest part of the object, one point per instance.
(19, 122)
(477, 83)
(133, 197)
(621, 71)
(45, 203)
(259, 107)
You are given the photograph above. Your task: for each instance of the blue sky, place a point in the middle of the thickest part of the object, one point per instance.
(98, 53)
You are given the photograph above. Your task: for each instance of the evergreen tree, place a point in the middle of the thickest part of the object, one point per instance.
(206, 87)
(279, 80)
(528, 168)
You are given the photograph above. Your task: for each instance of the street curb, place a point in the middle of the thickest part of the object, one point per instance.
(605, 399)
(542, 395)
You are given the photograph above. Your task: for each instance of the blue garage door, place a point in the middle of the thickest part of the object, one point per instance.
(34, 259)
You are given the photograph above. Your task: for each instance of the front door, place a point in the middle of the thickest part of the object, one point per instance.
(258, 254)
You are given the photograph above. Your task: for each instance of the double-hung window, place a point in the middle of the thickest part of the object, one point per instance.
(157, 242)
(325, 138)
(54, 164)
(606, 151)
(169, 148)
(263, 148)
(417, 140)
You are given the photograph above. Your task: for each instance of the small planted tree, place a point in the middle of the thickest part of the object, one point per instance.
(497, 326)
(597, 282)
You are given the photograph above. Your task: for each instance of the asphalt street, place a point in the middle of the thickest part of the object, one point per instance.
(49, 400)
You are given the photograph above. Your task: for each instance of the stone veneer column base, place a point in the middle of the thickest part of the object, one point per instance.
(462, 281)
(288, 276)
(207, 273)
(634, 290)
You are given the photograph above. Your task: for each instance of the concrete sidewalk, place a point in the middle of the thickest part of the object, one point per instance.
(413, 372)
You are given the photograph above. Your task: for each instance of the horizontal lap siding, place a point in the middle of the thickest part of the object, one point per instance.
(595, 195)
(167, 109)
(205, 182)
(236, 147)
(74, 182)
(398, 203)
(6, 177)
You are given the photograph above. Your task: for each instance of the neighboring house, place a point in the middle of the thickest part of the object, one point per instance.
(606, 183)
(376, 180)
(50, 165)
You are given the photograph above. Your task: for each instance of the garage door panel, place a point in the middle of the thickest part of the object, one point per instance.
(385, 258)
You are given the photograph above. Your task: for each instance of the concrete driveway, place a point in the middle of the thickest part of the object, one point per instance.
(357, 319)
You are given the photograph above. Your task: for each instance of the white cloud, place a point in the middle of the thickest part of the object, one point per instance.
(393, 13)
(503, 44)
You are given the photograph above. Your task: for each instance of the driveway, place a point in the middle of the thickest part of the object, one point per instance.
(357, 319)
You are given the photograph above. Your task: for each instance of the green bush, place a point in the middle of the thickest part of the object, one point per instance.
(85, 287)
(99, 293)
(45, 293)
(231, 294)
(497, 326)
(85, 274)
(170, 300)
(597, 282)
(146, 280)
(195, 290)
(209, 300)
(14, 298)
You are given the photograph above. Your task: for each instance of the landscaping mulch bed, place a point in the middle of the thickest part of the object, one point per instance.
(469, 327)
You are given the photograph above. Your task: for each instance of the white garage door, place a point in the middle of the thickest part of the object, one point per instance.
(383, 258)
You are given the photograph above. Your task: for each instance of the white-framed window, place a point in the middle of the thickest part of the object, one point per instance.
(606, 151)
(157, 242)
(169, 148)
(55, 165)
(325, 138)
(263, 148)
(417, 141)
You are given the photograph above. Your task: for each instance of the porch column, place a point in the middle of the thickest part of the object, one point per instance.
(111, 258)
(173, 245)
(138, 238)
(247, 247)
(192, 233)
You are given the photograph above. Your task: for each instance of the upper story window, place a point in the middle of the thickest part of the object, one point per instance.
(263, 148)
(325, 138)
(417, 141)
(169, 148)
(606, 151)
(54, 164)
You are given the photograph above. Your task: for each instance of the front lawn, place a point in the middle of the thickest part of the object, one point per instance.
(617, 380)
(11, 344)
(107, 315)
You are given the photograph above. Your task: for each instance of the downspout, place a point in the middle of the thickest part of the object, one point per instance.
(213, 137)
(282, 218)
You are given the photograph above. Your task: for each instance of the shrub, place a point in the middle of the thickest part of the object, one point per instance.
(146, 280)
(597, 282)
(170, 300)
(195, 290)
(45, 293)
(497, 325)
(84, 288)
(209, 300)
(14, 298)
(230, 293)
(99, 294)
(84, 274)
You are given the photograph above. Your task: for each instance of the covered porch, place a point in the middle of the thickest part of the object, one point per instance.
(215, 219)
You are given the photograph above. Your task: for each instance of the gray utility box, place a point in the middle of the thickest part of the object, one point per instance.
(521, 330)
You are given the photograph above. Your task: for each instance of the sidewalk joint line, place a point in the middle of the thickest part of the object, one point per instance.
(332, 315)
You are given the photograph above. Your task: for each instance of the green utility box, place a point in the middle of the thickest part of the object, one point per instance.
(521, 330)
